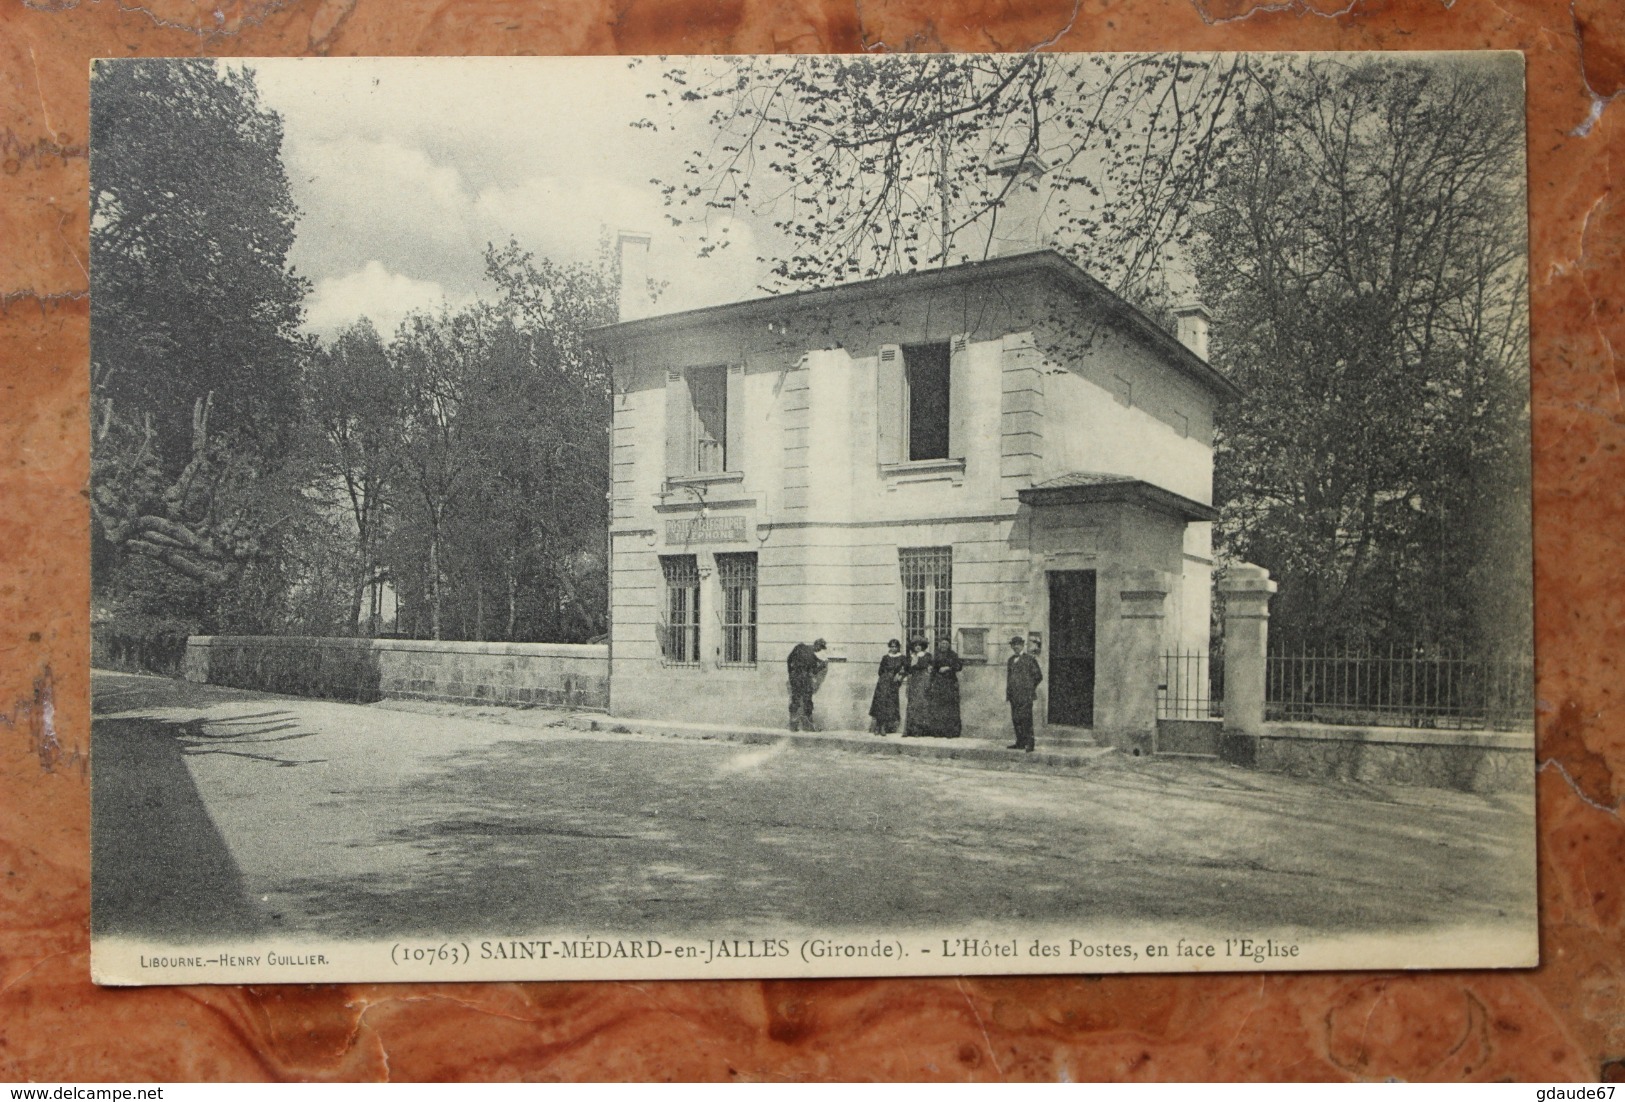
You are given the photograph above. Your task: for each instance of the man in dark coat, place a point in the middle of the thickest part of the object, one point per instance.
(806, 668)
(1021, 678)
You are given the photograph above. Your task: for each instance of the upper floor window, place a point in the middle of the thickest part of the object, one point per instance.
(922, 403)
(708, 396)
(926, 386)
(701, 437)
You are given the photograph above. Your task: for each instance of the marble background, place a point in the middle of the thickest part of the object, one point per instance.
(1562, 1021)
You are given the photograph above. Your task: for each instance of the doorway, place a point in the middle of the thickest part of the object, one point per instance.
(1072, 647)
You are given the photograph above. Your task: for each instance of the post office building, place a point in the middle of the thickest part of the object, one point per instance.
(997, 448)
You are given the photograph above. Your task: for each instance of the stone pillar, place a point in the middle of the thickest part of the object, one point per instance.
(1141, 617)
(1246, 591)
(195, 662)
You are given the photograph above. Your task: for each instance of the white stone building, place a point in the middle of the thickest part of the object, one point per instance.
(998, 448)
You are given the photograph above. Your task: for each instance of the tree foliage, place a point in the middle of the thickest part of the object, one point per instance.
(355, 401)
(191, 223)
(504, 457)
(247, 478)
(1363, 252)
(870, 166)
(195, 348)
(1355, 227)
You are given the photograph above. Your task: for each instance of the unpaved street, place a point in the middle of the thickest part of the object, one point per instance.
(223, 811)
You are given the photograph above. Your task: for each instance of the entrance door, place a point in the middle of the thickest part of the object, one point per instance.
(1072, 647)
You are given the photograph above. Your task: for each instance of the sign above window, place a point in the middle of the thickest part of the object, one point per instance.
(706, 530)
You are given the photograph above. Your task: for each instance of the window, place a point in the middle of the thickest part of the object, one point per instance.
(698, 440)
(680, 633)
(922, 409)
(708, 392)
(928, 592)
(737, 573)
(926, 381)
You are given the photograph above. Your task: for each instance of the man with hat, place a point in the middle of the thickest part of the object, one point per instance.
(806, 668)
(1021, 678)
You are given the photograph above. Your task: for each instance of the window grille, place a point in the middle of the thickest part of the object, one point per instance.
(928, 592)
(681, 631)
(737, 573)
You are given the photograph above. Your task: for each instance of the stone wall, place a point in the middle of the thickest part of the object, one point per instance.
(551, 675)
(1468, 761)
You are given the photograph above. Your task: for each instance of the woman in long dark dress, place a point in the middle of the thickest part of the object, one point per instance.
(918, 674)
(942, 697)
(884, 712)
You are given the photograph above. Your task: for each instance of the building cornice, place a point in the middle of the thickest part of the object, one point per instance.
(1043, 263)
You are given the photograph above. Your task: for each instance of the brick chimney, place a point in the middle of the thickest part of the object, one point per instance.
(1016, 227)
(1193, 319)
(633, 246)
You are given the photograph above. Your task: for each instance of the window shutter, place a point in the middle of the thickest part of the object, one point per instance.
(890, 417)
(734, 420)
(679, 430)
(960, 404)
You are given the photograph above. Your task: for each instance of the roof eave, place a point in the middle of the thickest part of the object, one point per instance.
(1121, 493)
(812, 298)
(1038, 262)
(1153, 334)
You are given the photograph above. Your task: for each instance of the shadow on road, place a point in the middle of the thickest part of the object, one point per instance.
(159, 866)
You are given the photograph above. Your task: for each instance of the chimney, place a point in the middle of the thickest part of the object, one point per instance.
(1193, 319)
(1016, 226)
(633, 246)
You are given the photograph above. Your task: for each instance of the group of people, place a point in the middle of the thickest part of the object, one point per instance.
(929, 683)
(930, 680)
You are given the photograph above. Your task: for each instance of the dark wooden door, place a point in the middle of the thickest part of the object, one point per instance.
(1072, 647)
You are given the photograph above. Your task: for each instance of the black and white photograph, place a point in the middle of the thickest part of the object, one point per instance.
(835, 515)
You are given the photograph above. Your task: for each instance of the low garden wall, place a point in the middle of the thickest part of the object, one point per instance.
(549, 675)
(1468, 761)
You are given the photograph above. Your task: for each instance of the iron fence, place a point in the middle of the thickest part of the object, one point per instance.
(1190, 685)
(1400, 687)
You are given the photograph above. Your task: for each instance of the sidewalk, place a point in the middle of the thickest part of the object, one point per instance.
(982, 753)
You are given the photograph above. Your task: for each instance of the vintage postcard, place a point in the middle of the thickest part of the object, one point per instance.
(809, 516)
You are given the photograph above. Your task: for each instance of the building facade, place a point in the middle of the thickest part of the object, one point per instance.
(997, 448)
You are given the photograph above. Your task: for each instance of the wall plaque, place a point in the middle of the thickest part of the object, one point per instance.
(706, 530)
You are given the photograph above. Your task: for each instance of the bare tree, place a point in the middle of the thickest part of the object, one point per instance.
(869, 166)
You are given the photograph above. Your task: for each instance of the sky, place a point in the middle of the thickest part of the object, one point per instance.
(406, 168)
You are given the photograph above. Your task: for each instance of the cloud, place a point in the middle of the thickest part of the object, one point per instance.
(408, 168)
(378, 199)
(375, 293)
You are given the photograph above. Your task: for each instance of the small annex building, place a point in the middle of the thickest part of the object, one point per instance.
(1001, 447)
